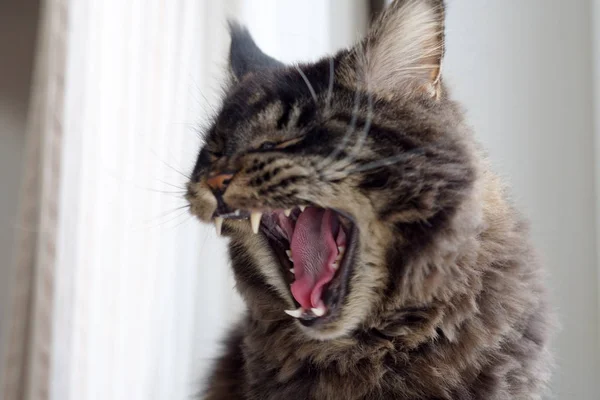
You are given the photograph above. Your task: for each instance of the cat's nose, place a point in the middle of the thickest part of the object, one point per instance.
(218, 181)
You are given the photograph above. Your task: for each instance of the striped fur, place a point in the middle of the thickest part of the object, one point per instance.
(444, 300)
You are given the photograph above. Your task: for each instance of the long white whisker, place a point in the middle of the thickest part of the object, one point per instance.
(358, 145)
(170, 213)
(157, 225)
(385, 162)
(310, 87)
(361, 139)
(330, 89)
(182, 188)
(171, 167)
(183, 222)
(340, 147)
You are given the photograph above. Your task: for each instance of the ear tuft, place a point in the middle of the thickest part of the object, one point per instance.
(403, 52)
(244, 55)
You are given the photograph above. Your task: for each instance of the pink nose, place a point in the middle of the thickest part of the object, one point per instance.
(218, 182)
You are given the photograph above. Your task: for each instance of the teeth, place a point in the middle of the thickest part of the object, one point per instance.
(335, 265)
(236, 213)
(292, 271)
(255, 217)
(339, 257)
(302, 208)
(287, 212)
(289, 254)
(218, 225)
(295, 313)
(319, 311)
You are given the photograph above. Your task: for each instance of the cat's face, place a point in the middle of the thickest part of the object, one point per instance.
(322, 174)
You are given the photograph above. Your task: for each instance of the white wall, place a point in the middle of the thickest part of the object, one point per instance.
(18, 22)
(298, 31)
(523, 69)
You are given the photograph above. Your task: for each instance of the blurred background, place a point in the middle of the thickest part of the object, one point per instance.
(110, 290)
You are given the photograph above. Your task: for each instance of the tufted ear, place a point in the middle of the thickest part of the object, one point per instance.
(403, 52)
(244, 55)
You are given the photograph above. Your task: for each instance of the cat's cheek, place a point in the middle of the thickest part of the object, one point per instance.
(203, 205)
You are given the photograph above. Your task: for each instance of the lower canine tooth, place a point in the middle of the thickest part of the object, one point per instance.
(287, 212)
(289, 254)
(295, 313)
(292, 270)
(319, 311)
(218, 225)
(302, 208)
(335, 265)
(255, 217)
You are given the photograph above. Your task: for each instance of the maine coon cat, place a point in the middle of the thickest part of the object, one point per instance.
(377, 254)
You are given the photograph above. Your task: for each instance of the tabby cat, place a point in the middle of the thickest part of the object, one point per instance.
(378, 256)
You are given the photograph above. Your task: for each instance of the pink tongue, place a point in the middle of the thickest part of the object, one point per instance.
(314, 249)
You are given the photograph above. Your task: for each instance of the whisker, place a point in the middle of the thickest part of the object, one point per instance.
(340, 147)
(179, 192)
(164, 222)
(183, 222)
(330, 88)
(168, 213)
(362, 138)
(198, 91)
(130, 182)
(184, 189)
(385, 162)
(171, 167)
(310, 87)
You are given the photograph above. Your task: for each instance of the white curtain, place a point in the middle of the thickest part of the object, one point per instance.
(118, 292)
(113, 280)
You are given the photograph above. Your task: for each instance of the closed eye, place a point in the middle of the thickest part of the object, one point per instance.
(268, 146)
(214, 156)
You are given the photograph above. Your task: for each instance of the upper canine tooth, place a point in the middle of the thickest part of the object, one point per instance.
(302, 208)
(297, 313)
(289, 254)
(255, 217)
(341, 249)
(287, 212)
(218, 225)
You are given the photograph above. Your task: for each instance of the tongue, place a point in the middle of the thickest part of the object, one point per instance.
(314, 249)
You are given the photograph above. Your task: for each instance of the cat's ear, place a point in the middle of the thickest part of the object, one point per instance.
(244, 55)
(403, 52)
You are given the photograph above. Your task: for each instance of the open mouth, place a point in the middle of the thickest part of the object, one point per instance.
(315, 248)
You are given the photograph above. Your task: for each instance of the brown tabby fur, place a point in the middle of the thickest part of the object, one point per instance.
(445, 298)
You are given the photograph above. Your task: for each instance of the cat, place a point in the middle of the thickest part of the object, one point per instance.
(377, 254)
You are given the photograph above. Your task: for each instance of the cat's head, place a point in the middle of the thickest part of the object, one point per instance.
(328, 177)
